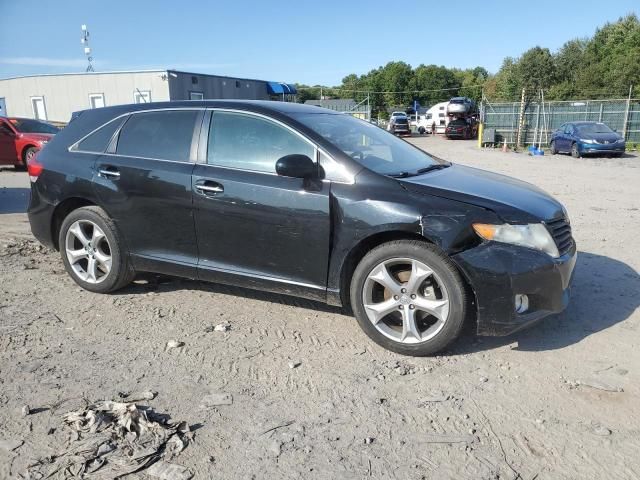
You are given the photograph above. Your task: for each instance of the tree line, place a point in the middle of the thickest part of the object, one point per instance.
(602, 66)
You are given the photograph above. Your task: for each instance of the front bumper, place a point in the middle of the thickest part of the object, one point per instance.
(601, 148)
(498, 272)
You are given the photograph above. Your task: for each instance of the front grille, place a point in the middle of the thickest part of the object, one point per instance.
(561, 232)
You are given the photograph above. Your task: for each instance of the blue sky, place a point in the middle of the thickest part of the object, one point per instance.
(319, 42)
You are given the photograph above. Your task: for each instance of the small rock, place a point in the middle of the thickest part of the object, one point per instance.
(602, 431)
(484, 379)
(26, 410)
(275, 448)
(138, 396)
(215, 399)
(472, 431)
(294, 364)
(174, 344)
(222, 327)
(368, 440)
(600, 385)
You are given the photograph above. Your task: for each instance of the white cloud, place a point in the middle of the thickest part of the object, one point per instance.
(45, 62)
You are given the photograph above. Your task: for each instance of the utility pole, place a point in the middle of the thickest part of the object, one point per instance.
(521, 119)
(626, 113)
(84, 40)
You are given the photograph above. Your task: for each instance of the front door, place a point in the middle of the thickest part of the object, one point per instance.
(145, 186)
(256, 228)
(7, 144)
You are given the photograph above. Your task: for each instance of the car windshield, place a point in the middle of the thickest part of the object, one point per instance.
(591, 128)
(369, 145)
(25, 125)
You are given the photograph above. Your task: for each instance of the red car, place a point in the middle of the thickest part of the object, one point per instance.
(21, 138)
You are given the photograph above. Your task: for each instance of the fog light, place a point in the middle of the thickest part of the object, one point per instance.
(522, 303)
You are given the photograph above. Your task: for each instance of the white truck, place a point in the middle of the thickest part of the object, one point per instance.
(436, 114)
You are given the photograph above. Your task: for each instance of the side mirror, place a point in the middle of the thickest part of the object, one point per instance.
(296, 166)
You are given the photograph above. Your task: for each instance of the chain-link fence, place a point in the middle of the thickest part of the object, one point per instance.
(540, 119)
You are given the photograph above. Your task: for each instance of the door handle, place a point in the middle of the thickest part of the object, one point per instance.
(208, 187)
(109, 172)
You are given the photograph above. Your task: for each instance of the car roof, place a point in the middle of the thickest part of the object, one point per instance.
(264, 106)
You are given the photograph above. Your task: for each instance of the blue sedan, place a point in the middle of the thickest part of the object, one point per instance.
(584, 138)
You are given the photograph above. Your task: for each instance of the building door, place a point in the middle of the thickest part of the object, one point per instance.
(39, 109)
(96, 100)
(3, 108)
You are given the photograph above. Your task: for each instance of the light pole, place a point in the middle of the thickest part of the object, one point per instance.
(84, 40)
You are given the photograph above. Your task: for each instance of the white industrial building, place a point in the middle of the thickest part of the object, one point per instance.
(55, 97)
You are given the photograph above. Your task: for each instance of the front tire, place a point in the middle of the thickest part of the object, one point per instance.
(27, 155)
(408, 297)
(93, 251)
(575, 151)
(552, 147)
(421, 130)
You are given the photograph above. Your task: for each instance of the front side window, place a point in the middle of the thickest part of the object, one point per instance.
(163, 135)
(248, 142)
(369, 145)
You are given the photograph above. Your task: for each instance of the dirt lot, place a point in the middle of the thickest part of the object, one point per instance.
(559, 401)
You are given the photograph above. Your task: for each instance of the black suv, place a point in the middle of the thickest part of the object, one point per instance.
(303, 201)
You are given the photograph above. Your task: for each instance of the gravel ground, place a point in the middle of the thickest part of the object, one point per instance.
(558, 401)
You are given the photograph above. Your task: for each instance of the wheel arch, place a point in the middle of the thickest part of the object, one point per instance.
(61, 211)
(23, 153)
(357, 253)
(360, 249)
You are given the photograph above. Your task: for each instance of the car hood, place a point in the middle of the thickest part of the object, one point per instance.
(513, 200)
(38, 137)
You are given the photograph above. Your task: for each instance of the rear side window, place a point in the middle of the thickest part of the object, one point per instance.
(163, 135)
(99, 140)
(248, 142)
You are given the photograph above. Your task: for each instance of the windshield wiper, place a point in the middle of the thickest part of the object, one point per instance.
(431, 168)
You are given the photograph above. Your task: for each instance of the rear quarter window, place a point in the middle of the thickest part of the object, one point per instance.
(98, 141)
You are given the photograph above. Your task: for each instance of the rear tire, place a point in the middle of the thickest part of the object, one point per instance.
(93, 251)
(408, 297)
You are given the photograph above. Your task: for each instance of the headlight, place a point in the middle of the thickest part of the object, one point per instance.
(587, 140)
(533, 235)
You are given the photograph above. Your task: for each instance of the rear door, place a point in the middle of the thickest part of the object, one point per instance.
(144, 183)
(254, 227)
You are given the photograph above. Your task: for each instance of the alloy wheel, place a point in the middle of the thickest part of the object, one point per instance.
(88, 251)
(405, 300)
